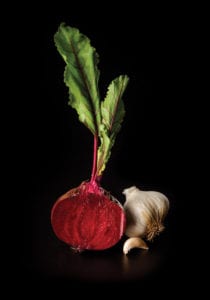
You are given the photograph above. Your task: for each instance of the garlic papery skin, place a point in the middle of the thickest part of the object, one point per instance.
(145, 212)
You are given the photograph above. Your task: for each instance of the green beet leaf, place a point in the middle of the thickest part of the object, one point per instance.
(112, 112)
(81, 74)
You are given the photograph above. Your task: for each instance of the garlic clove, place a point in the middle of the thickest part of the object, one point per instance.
(134, 242)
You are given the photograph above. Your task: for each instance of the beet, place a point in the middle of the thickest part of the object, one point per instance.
(88, 217)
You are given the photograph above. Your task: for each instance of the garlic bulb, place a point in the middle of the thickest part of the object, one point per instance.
(145, 212)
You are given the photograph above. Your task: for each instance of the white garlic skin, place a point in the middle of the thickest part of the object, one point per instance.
(145, 212)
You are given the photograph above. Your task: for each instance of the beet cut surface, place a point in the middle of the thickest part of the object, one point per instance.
(88, 217)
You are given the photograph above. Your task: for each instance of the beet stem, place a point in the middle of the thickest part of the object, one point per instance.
(94, 167)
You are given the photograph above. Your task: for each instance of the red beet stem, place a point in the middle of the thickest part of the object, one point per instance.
(94, 167)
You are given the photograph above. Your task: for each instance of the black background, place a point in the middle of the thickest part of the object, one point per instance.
(150, 45)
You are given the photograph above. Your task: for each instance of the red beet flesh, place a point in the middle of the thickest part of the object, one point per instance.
(87, 217)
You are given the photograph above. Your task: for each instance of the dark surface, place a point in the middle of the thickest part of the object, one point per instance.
(48, 260)
(150, 150)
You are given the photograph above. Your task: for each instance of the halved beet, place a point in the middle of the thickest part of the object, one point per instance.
(88, 217)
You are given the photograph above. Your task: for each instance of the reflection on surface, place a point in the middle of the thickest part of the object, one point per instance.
(108, 266)
(139, 264)
(56, 260)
